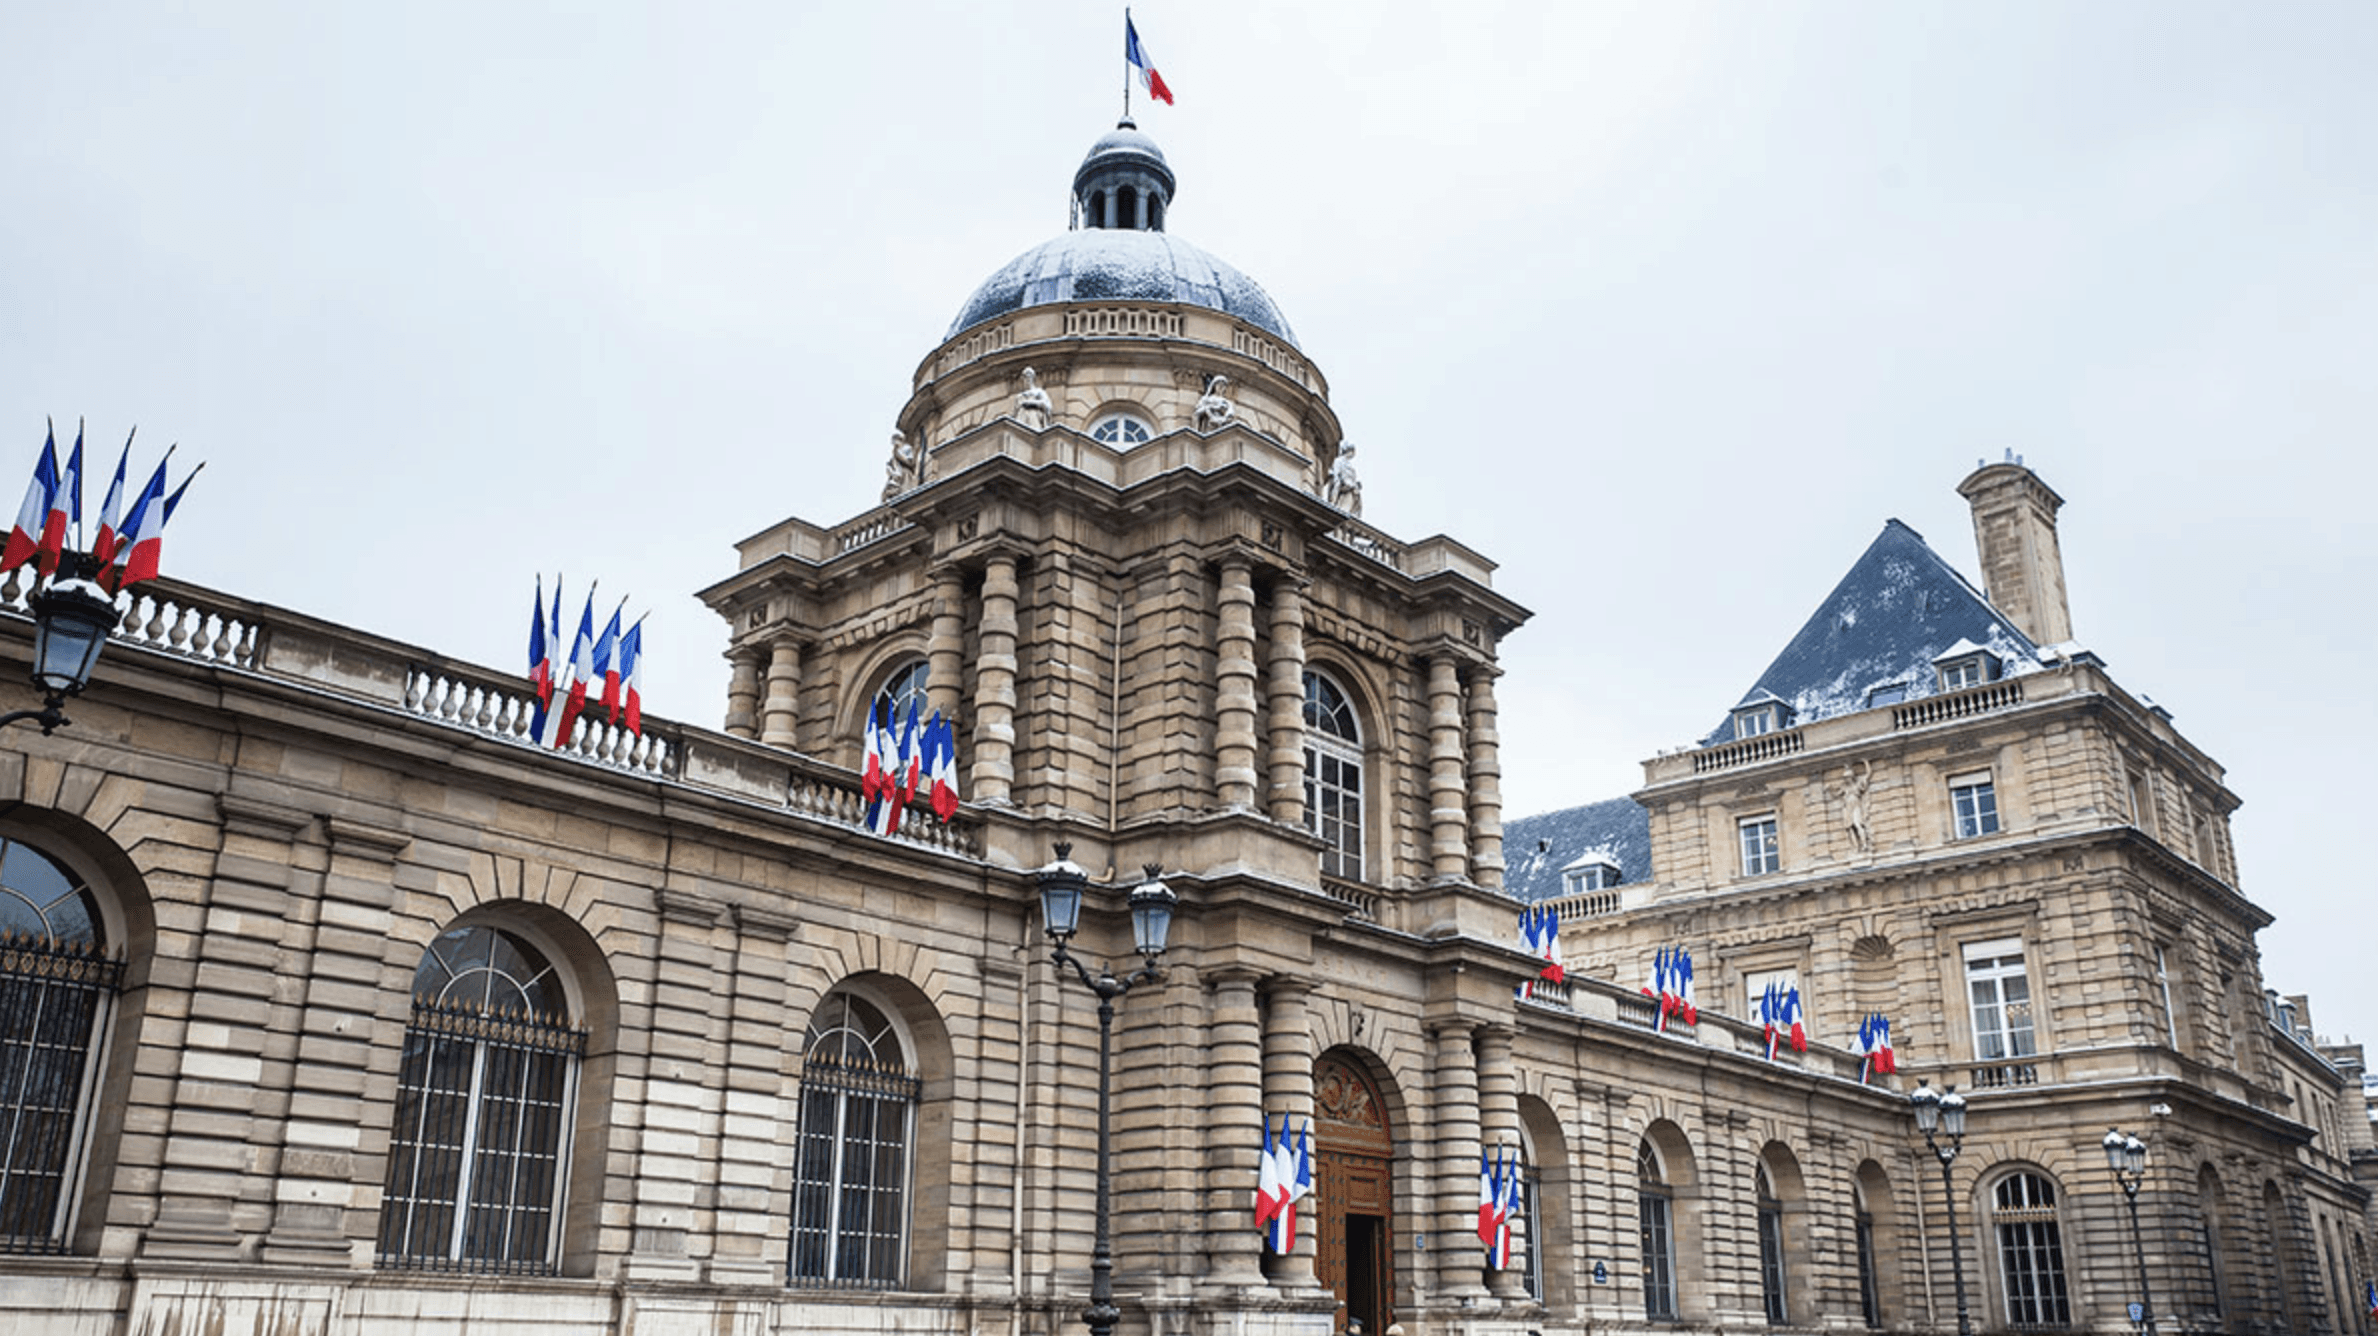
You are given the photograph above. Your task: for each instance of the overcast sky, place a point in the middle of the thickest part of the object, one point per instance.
(1667, 308)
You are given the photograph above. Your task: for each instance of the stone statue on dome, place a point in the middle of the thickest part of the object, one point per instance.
(1213, 411)
(1343, 489)
(900, 471)
(1033, 408)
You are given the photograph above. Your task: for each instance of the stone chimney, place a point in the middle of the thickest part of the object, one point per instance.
(2014, 530)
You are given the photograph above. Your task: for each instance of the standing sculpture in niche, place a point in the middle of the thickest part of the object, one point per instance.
(1213, 411)
(900, 471)
(1033, 408)
(1854, 785)
(1343, 489)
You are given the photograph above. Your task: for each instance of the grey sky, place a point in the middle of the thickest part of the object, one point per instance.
(1665, 307)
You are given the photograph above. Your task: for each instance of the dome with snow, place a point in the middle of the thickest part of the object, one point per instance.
(1118, 249)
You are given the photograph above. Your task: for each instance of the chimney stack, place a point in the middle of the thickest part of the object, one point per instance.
(2014, 531)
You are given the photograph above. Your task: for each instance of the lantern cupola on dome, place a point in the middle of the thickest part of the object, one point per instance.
(1123, 184)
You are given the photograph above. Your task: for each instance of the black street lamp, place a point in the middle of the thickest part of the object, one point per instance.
(1944, 1112)
(1061, 887)
(71, 622)
(2126, 1156)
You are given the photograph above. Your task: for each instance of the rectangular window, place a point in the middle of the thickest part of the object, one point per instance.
(1975, 802)
(1870, 1303)
(1529, 1246)
(1754, 988)
(2142, 800)
(1771, 1263)
(1999, 992)
(1751, 723)
(1961, 674)
(1758, 845)
(1659, 1259)
(2163, 985)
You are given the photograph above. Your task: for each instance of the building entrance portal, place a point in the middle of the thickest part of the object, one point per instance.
(1355, 1150)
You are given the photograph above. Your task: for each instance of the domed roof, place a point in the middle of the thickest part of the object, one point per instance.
(1124, 144)
(1104, 264)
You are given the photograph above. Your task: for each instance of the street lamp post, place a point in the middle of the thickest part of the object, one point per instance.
(71, 622)
(1151, 902)
(2126, 1156)
(1944, 1112)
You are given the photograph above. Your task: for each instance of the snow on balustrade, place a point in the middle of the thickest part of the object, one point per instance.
(1962, 705)
(1765, 747)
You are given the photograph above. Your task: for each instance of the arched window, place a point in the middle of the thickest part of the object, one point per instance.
(1333, 777)
(2209, 1230)
(851, 1172)
(2030, 1251)
(1870, 1299)
(485, 1101)
(1122, 429)
(1654, 1209)
(1771, 1248)
(903, 691)
(57, 987)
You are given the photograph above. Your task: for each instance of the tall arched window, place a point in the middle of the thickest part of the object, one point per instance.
(1333, 777)
(1771, 1248)
(1655, 1216)
(2030, 1251)
(485, 1098)
(851, 1173)
(1870, 1300)
(902, 691)
(2209, 1232)
(57, 987)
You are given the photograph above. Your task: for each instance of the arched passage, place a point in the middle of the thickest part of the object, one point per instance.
(1354, 1150)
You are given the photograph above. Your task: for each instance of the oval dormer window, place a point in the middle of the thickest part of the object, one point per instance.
(1122, 429)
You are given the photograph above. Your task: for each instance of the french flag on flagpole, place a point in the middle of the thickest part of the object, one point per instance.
(581, 671)
(1267, 1178)
(540, 655)
(25, 539)
(606, 663)
(66, 508)
(103, 547)
(941, 765)
(1792, 1020)
(1139, 60)
(631, 676)
(147, 519)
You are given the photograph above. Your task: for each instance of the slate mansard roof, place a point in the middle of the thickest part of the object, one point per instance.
(1619, 828)
(1899, 608)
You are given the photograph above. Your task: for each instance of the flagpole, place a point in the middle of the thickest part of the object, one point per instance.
(1126, 62)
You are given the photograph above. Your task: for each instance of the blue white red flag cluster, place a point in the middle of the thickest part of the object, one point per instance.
(901, 763)
(1874, 1041)
(1779, 1008)
(606, 670)
(1142, 64)
(2370, 1295)
(1498, 1201)
(1540, 936)
(1283, 1176)
(50, 519)
(1671, 986)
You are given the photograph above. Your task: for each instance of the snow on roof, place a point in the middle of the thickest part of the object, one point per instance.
(1617, 830)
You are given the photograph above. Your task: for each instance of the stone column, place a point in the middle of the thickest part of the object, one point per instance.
(1287, 724)
(1234, 1118)
(743, 692)
(945, 646)
(1486, 782)
(1288, 1089)
(994, 771)
(1454, 1095)
(1234, 690)
(757, 1124)
(1449, 818)
(780, 714)
(1498, 1118)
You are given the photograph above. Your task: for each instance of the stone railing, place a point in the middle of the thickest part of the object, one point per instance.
(1589, 904)
(1110, 322)
(1247, 342)
(2002, 1076)
(982, 343)
(1959, 705)
(187, 623)
(879, 523)
(1750, 751)
(1546, 993)
(1361, 902)
(1370, 542)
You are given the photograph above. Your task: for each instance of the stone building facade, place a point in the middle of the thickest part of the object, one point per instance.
(330, 1004)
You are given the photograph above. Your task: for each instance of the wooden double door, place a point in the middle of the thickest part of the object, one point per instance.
(1354, 1190)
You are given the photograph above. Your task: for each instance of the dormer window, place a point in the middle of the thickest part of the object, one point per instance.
(1594, 872)
(1122, 429)
(1764, 715)
(1965, 664)
(1889, 693)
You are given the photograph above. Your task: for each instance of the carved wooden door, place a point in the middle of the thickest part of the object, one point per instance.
(1354, 1150)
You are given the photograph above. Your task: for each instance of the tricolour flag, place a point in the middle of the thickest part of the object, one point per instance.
(1490, 1201)
(147, 519)
(1792, 1021)
(1498, 1253)
(103, 547)
(581, 671)
(1550, 935)
(1687, 1008)
(1267, 1176)
(66, 508)
(540, 654)
(1144, 64)
(2370, 1295)
(1289, 1171)
(941, 766)
(25, 539)
(911, 755)
(1770, 1012)
(606, 663)
(631, 676)
(1656, 988)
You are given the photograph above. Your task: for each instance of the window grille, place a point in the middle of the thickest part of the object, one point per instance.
(851, 1169)
(1771, 1251)
(2030, 1253)
(54, 997)
(1653, 1214)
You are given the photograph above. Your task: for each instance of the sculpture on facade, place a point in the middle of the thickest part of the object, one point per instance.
(1033, 408)
(1343, 489)
(900, 472)
(1854, 785)
(1213, 410)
